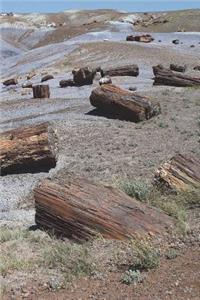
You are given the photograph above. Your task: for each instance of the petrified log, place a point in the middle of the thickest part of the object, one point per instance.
(47, 77)
(65, 83)
(123, 104)
(80, 209)
(83, 76)
(11, 81)
(177, 68)
(144, 38)
(167, 77)
(41, 91)
(26, 150)
(129, 70)
(181, 172)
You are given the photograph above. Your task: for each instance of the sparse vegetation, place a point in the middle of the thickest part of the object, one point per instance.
(131, 276)
(171, 254)
(137, 189)
(146, 256)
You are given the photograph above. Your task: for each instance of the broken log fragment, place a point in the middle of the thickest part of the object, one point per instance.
(83, 76)
(41, 91)
(178, 68)
(181, 172)
(26, 150)
(129, 70)
(47, 77)
(65, 83)
(123, 104)
(165, 76)
(11, 81)
(80, 209)
(144, 38)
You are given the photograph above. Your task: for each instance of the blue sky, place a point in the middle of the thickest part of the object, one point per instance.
(60, 5)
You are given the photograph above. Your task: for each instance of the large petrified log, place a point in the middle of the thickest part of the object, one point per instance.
(123, 104)
(129, 70)
(26, 150)
(181, 172)
(165, 76)
(41, 91)
(80, 209)
(83, 76)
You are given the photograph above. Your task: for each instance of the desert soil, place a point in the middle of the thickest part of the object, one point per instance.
(99, 148)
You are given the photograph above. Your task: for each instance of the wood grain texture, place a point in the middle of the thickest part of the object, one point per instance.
(167, 77)
(129, 70)
(123, 103)
(182, 172)
(80, 209)
(25, 150)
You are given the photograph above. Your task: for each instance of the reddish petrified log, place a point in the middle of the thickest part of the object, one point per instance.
(123, 104)
(80, 209)
(41, 91)
(26, 150)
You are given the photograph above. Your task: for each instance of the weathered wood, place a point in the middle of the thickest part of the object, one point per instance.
(123, 104)
(167, 77)
(11, 81)
(41, 91)
(178, 68)
(144, 38)
(80, 209)
(65, 83)
(83, 76)
(26, 150)
(181, 172)
(47, 77)
(129, 70)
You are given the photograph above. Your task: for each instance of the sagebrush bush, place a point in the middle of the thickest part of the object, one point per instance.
(137, 189)
(131, 276)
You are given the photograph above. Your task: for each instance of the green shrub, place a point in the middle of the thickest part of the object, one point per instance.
(171, 254)
(137, 189)
(131, 276)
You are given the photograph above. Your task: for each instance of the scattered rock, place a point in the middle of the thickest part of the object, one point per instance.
(66, 83)
(132, 89)
(176, 42)
(197, 68)
(177, 68)
(105, 80)
(192, 46)
(11, 81)
(27, 84)
(47, 77)
(31, 75)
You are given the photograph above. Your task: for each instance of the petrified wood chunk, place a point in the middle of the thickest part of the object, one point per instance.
(41, 91)
(83, 76)
(11, 81)
(181, 172)
(47, 77)
(129, 70)
(65, 83)
(177, 68)
(26, 150)
(80, 209)
(144, 38)
(124, 104)
(165, 76)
